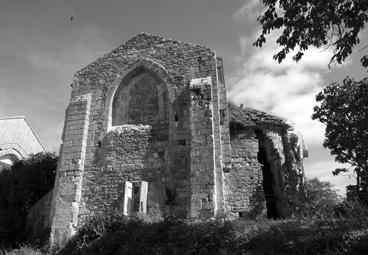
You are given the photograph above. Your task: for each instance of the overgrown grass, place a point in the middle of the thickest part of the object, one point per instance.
(114, 233)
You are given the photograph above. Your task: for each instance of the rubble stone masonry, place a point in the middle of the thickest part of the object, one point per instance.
(154, 110)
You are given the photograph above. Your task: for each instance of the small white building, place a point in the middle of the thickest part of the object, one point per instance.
(17, 140)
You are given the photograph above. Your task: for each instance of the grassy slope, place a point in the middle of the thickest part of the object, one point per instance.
(117, 235)
(303, 236)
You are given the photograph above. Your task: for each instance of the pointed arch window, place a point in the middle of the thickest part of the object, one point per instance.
(140, 99)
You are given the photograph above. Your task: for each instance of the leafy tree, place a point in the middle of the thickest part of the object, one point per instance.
(21, 186)
(334, 23)
(344, 110)
(321, 198)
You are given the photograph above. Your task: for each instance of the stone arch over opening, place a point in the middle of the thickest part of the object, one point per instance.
(15, 154)
(136, 140)
(269, 161)
(8, 157)
(141, 98)
(141, 65)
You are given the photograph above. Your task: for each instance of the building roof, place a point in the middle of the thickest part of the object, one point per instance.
(249, 117)
(16, 134)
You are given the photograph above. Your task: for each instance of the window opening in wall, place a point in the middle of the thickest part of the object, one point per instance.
(136, 202)
(222, 116)
(181, 142)
(141, 98)
(161, 154)
(135, 197)
(196, 91)
(127, 203)
(270, 197)
(176, 119)
(170, 196)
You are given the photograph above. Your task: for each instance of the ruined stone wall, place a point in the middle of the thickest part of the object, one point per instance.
(92, 184)
(128, 154)
(225, 136)
(203, 173)
(295, 151)
(243, 183)
(271, 140)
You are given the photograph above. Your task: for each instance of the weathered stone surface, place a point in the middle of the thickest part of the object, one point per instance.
(154, 111)
(69, 176)
(256, 134)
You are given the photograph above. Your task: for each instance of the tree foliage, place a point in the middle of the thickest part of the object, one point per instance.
(321, 198)
(344, 110)
(333, 23)
(21, 186)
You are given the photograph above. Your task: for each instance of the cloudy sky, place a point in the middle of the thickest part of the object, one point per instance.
(41, 48)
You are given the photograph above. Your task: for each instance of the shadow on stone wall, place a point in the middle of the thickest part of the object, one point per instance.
(257, 204)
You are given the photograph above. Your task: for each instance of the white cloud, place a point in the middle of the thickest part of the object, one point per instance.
(250, 10)
(287, 89)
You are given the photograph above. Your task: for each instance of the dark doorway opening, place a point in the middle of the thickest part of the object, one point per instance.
(270, 197)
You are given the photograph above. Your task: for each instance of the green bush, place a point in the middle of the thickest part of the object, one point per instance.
(24, 250)
(310, 236)
(21, 186)
(113, 233)
(351, 209)
(320, 200)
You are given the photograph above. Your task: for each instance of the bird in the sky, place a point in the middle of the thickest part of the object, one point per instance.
(71, 15)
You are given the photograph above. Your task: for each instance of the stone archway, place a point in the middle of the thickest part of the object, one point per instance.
(138, 142)
(141, 98)
(8, 157)
(271, 166)
(142, 64)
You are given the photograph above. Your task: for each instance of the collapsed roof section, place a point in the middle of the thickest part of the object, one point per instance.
(249, 117)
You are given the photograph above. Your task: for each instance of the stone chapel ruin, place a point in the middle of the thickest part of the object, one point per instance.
(149, 127)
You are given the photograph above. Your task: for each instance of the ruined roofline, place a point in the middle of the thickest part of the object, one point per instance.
(171, 40)
(250, 117)
(131, 41)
